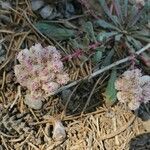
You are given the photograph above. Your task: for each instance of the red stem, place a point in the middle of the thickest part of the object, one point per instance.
(79, 52)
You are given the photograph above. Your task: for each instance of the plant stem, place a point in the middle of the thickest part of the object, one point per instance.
(98, 72)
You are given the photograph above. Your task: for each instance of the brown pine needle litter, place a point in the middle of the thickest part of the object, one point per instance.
(90, 125)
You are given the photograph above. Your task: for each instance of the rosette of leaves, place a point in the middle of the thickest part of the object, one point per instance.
(126, 23)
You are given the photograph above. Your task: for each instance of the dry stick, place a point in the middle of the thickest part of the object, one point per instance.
(45, 37)
(4, 143)
(33, 146)
(28, 20)
(102, 70)
(71, 117)
(16, 98)
(6, 62)
(3, 81)
(89, 98)
(68, 100)
(119, 130)
(6, 135)
(25, 141)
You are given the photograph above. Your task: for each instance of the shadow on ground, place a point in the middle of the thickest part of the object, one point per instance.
(140, 142)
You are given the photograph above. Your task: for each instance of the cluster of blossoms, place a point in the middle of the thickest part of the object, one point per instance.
(140, 2)
(133, 88)
(41, 71)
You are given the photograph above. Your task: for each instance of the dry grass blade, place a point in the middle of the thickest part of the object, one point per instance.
(120, 130)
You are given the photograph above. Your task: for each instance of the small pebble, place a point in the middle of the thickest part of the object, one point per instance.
(37, 4)
(46, 11)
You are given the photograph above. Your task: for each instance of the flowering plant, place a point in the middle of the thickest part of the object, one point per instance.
(41, 71)
(133, 88)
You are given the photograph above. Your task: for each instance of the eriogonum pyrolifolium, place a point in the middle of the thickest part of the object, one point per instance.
(133, 88)
(41, 71)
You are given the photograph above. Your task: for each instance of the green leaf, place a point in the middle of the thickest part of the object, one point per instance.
(145, 33)
(90, 31)
(85, 43)
(125, 7)
(137, 44)
(97, 57)
(106, 25)
(108, 59)
(52, 30)
(74, 43)
(105, 35)
(141, 38)
(130, 46)
(118, 9)
(107, 11)
(110, 93)
(118, 37)
(134, 16)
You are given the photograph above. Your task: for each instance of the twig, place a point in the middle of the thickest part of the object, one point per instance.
(4, 143)
(6, 62)
(31, 24)
(41, 34)
(143, 49)
(102, 70)
(33, 146)
(3, 81)
(71, 117)
(25, 141)
(74, 55)
(68, 100)
(16, 98)
(89, 98)
(6, 135)
(118, 131)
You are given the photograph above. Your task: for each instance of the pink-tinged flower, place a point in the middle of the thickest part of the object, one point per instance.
(47, 78)
(146, 92)
(25, 58)
(55, 66)
(133, 105)
(133, 88)
(34, 84)
(55, 55)
(62, 78)
(40, 53)
(21, 74)
(38, 70)
(122, 97)
(50, 87)
(135, 73)
(36, 50)
(140, 2)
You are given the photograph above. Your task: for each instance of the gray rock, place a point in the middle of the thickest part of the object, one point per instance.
(37, 4)
(32, 103)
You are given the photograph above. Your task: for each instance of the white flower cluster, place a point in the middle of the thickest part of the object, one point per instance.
(133, 88)
(41, 71)
(140, 2)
